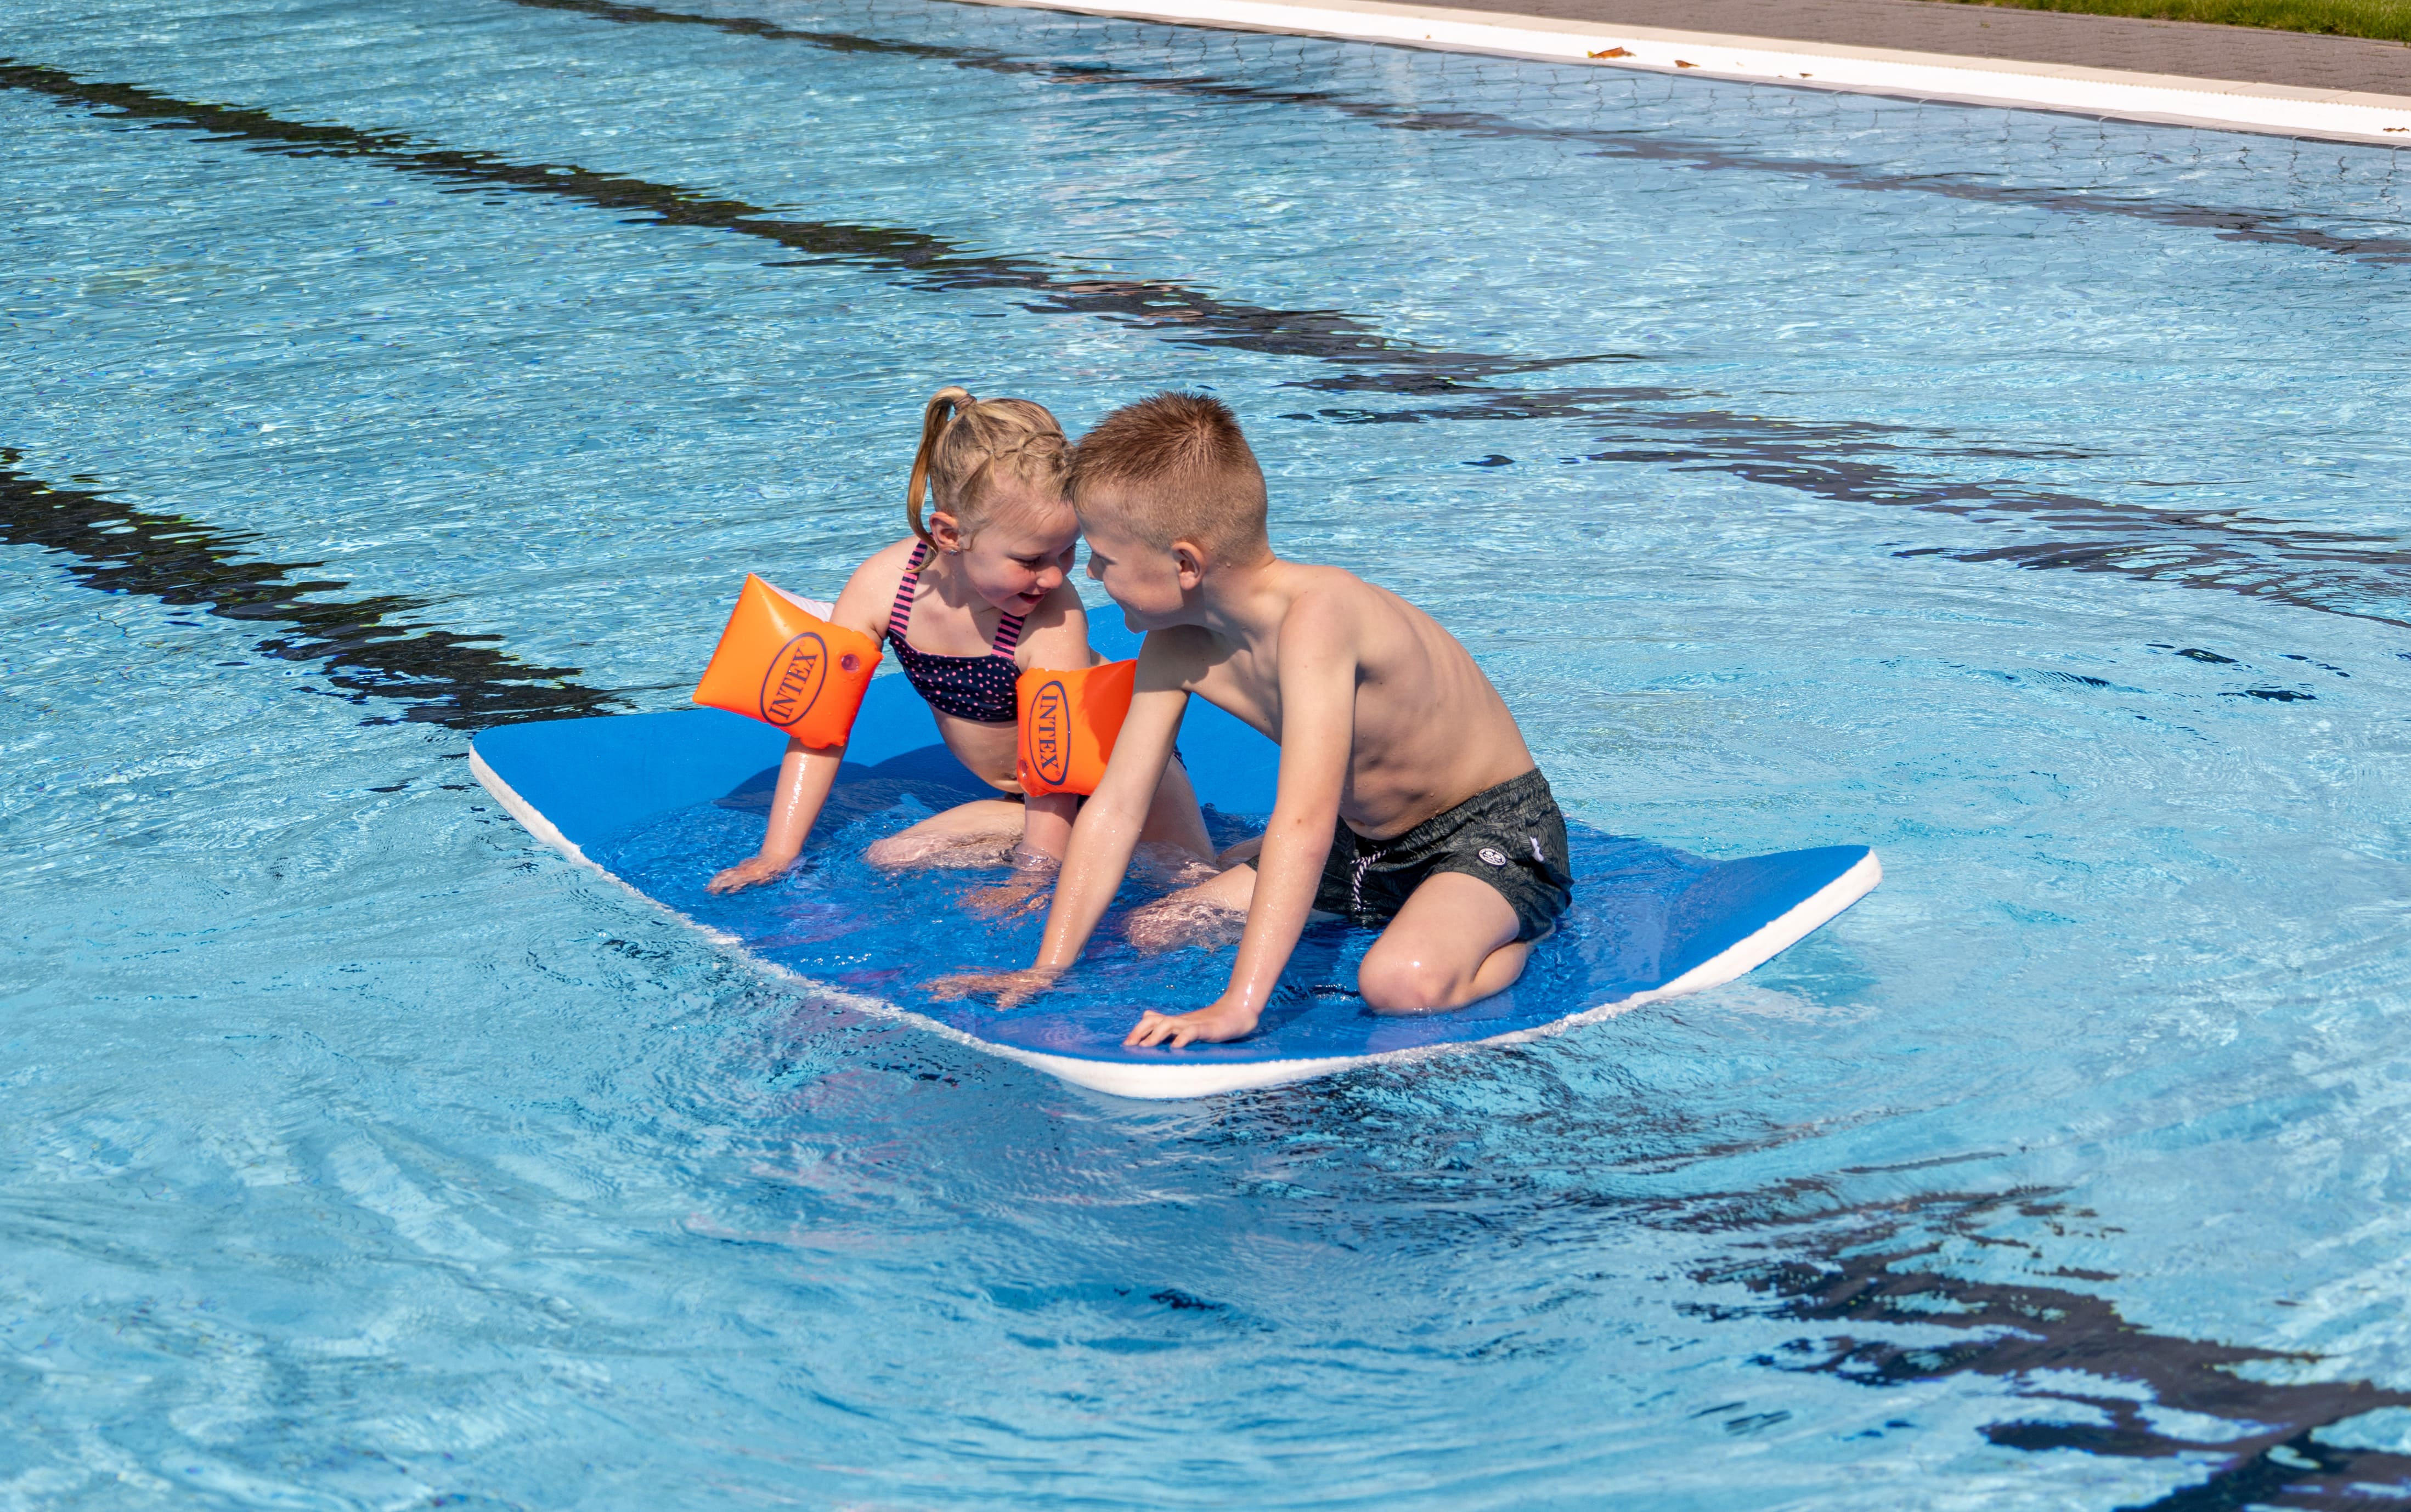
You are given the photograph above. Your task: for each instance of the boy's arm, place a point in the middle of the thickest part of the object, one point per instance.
(1317, 691)
(1102, 839)
(1108, 828)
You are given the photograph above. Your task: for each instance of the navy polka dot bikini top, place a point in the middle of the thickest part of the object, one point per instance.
(967, 687)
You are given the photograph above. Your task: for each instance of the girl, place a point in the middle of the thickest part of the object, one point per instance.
(968, 602)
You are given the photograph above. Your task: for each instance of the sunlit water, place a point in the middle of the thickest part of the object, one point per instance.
(2020, 495)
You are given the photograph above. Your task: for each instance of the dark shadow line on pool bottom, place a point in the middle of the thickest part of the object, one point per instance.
(1187, 314)
(1803, 1250)
(1778, 452)
(2228, 224)
(1863, 1267)
(362, 645)
(2352, 574)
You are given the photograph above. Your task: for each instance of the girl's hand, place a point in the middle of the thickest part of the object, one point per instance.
(746, 873)
(1213, 1024)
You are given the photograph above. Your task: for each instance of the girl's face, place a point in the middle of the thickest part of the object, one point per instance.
(1021, 555)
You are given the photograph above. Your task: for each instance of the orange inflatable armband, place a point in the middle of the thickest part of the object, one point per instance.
(1069, 720)
(790, 668)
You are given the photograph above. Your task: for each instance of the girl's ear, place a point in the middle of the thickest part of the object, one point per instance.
(947, 532)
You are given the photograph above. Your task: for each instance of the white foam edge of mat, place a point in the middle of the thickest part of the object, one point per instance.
(1159, 1082)
(1172, 1081)
(539, 828)
(2158, 99)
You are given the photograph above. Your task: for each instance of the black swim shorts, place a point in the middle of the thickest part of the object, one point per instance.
(1511, 837)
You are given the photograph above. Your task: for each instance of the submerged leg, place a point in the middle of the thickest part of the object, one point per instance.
(976, 834)
(1210, 913)
(1453, 942)
(1173, 819)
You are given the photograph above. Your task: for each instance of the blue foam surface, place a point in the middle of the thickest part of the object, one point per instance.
(664, 800)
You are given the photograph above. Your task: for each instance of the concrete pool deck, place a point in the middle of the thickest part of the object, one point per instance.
(2226, 78)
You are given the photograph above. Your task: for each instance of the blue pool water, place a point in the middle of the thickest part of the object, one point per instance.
(2019, 494)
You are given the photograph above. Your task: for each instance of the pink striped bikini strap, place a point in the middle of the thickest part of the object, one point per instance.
(899, 614)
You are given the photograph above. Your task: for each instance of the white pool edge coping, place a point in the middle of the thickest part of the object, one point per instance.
(2162, 99)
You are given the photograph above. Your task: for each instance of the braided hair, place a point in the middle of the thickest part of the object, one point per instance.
(966, 441)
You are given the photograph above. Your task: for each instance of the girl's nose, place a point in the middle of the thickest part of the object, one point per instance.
(1050, 577)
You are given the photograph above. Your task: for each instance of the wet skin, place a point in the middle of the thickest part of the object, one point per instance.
(1384, 721)
(1014, 565)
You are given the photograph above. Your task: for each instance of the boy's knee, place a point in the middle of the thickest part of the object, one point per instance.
(1395, 984)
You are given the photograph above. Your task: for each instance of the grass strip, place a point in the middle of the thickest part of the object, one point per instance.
(2385, 20)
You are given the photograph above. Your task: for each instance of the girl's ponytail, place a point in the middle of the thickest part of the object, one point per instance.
(945, 406)
(966, 442)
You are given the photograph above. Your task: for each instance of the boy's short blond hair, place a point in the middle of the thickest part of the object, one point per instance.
(1184, 472)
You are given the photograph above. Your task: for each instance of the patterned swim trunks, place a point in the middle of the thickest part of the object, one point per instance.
(1511, 837)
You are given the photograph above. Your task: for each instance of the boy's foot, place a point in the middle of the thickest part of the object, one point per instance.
(909, 852)
(1209, 915)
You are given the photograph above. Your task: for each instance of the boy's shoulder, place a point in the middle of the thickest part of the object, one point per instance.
(1332, 604)
(1321, 604)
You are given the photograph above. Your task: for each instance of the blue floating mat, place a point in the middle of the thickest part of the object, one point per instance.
(662, 801)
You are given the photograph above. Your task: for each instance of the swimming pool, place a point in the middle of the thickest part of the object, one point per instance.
(2019, 495)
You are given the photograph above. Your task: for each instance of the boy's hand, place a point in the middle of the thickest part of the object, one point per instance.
(1215, 1023)
(746, 873)
(1011, 989)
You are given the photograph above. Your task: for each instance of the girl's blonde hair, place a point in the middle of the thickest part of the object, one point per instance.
(966, 441)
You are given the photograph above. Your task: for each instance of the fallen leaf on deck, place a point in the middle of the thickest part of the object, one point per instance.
(1680, 63)
(1625, 53)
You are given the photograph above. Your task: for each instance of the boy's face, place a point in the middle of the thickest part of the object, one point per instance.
(1148, 582)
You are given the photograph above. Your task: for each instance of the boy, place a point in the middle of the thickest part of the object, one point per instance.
(1407, 797)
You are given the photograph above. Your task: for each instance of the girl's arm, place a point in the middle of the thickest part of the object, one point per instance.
(1055, 640)
(805, 777)
(806, 774)
(1055, 637)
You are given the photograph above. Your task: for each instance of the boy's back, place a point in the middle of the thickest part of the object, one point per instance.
(1420, 728)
